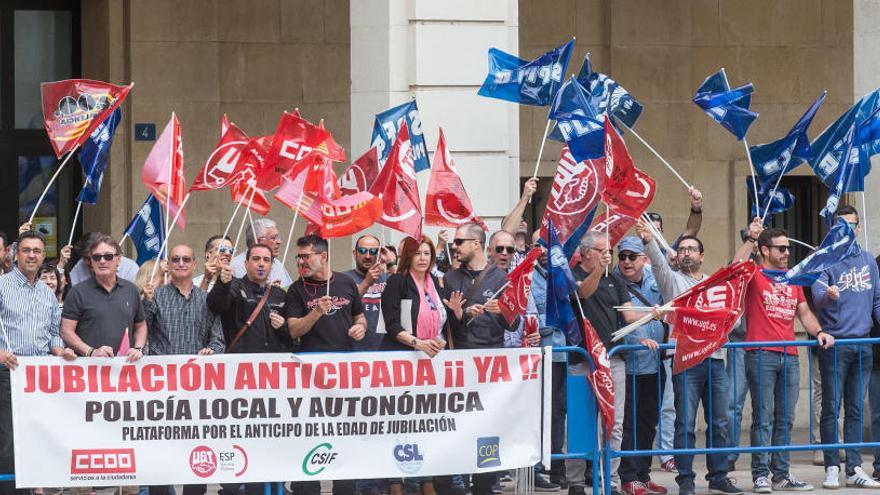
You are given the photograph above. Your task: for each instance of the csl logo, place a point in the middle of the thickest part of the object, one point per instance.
(488, 452)
(408, 458)
(102, 461)
(203, 461)
(317, 459)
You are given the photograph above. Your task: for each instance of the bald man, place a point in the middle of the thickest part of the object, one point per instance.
(501, 249)
(178, 318)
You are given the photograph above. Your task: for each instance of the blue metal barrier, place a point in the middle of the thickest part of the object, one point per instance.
(607, 452)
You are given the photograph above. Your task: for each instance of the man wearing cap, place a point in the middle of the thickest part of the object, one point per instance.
(640, 425)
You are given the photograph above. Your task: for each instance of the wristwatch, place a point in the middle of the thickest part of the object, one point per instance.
(139, 349)
(413, 342)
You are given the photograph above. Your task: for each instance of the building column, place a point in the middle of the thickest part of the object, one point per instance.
(437, 53)
(866, 77)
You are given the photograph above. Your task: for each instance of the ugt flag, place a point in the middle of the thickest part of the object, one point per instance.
(515, 299)
(600, 377)
(93, 157)
(577, 122)
(835, 246)
(388, 124)
(628, 190)
(786, 154)
(526, 82)
(729, 107)
(73, 108)
(828, 148)
(607, 96)
(447, 203)
(147, 231)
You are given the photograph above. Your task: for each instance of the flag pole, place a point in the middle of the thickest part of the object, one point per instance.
(607, 232)
(243, 220)
(329, 268)
(73, 225)
(51, 181)
(865, 219)
(168, 236)
(804, 244)
(235, 213)
(754, 180)
(541, 149)
(770, 199)
(292, 225)
(659, 157)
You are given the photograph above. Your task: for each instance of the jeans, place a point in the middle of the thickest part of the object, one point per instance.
(773, 384)
(666, 429)
(575, 469)
(843, 379)
(736, 376)
(692, 386)
(7, 456)
(557, 419)
(640, 425)
(874, 395)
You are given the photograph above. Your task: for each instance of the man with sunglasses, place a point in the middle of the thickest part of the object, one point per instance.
(99, 311)
(265, 232)
(126, 269)
(370, 273)
(218, 252)
(846, 297)
(642, 410)
(773, 372)
(501, 250)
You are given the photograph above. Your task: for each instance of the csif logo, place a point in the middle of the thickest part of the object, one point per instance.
(317, 459)
(488, 452)
(408, 458)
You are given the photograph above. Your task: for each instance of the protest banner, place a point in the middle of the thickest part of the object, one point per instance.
(271, 417)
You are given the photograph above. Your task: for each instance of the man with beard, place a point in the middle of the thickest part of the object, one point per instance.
(773, 372)
(370, 274)
(691, 387)
(501, 250)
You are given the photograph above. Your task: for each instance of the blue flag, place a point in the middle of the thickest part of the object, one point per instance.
(577, 122)
(607, 95)
(385, 133)
(560, 284)
(780, 200)
(834, 248)
(786, 154)
(93, 157)
(526, 82)
(827, 149)
(845, 173)
(146, 230)
(728, 107)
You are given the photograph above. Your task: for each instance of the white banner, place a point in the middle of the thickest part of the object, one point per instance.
(275, 417)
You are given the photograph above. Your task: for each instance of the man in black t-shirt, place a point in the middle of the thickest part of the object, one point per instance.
(370, 273)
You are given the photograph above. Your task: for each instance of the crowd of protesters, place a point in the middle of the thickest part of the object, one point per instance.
(427, 297)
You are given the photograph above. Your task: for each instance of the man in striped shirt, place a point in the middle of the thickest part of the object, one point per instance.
(29, 317)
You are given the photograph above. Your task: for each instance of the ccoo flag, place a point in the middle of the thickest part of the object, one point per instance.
(728, 107)
(146, 230)
(93, 157)
(526, 82)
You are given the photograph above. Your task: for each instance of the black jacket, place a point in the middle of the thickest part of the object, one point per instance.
(487, 330)
(235, 302)
(401, 287)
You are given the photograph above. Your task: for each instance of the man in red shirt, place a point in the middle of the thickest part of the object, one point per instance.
(772, 372)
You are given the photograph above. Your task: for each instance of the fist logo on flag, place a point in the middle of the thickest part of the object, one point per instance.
(575, 188)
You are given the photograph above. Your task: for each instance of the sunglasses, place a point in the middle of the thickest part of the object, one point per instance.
(177, 260)
(630, 257)
(105, 256)
(501, 249)
(783, 248)
(459, 242)
(362, 251)
(224, 250)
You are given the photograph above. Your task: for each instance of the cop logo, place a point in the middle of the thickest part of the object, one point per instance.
(488, 452)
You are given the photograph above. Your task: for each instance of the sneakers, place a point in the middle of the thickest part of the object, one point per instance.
(762, 485)
(635, 488)
(832, 478)
(686, 490)
(724, 487)
(860, 479)
(792, 484)
(669, 466)
(542, 484)
(655, 489)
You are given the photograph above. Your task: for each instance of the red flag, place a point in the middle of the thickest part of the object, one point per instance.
(447, 203)
(295, 140)
(361, 174)
(577, 188)
(124, 345)
(705, 313)
(600, 378)
(335, 152)
(628, 190)
(163, 174)
(530, 327)
(349, 214)
(397, 188)
(615, 223)
(224, 124)
(242, 189)
(224, 165)
(515, 298)
(73, 108)
(252, 160)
